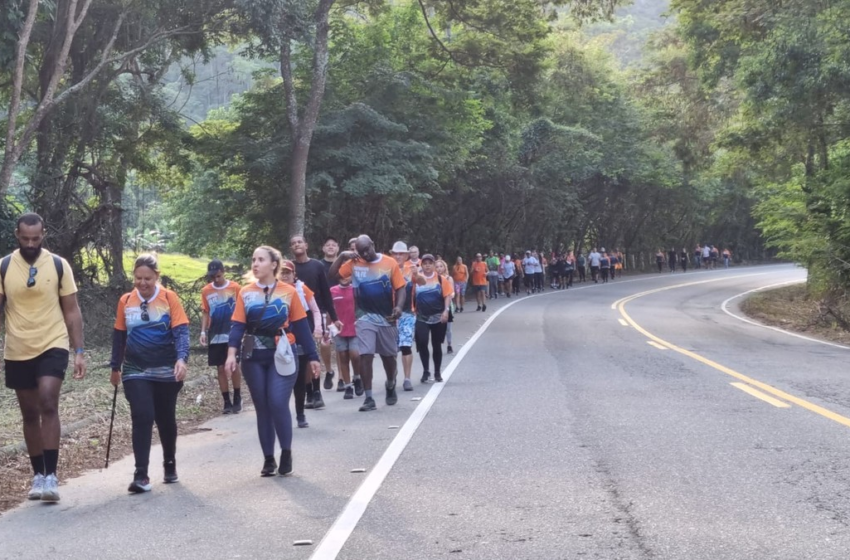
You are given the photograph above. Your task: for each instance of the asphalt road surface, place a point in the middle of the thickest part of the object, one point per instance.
(633, 420)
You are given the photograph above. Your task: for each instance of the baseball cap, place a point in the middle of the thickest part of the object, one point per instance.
(428, 257)
(400, 247)
(214, 268)
(287, 264)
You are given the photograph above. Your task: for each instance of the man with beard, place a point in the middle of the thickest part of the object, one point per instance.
(312, 273)
(330, 251)
(42, 319)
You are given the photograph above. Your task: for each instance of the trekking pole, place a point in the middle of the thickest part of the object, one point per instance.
(111, 422)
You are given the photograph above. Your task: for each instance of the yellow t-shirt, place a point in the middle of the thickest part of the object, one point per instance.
(35, 322)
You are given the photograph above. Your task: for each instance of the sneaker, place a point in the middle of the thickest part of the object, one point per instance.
(318, 401)
(237, 403)
(37, 487)
(285, 463)
(425, 377)
(358, 386)
(484, 308)
(141, 483)
(50, 489)
(170, 471)
(269, 467)
(408, 386)
(449, 350)
(392, 397)
(228, 408)
(368, 404)
(349, 393)
(438, 378)
(302, 421)
(340, 386)
(308, 404)
(329, 381)
(478, 308)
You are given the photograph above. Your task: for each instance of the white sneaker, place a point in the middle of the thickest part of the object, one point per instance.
(37, 487)
(50, 491)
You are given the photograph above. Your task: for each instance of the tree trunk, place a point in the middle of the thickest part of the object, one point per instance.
(298, 188)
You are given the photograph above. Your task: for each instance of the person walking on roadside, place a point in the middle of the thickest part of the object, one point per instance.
(529, 266)
(659, 260)
(698, 257)
(406, 324)
(150, 350)
(312, 273)
(479, 281)
(42, 319)
(595, 259)
(727, 258)
(569, 269)
(604, 266)
(268, 321)
(615, 263)
(346, 341)
(508, 272)
(672, 259)
(706, 256)
(379, 295)
(442, 269)
(683, 259)
(460, 275)
(519, 274)
(493, 276)
(538, 271)
(330, 251)
(218, 300)
(714, 256)
(433, 300)
(581, 267)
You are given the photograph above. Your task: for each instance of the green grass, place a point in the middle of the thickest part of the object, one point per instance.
(181, 268)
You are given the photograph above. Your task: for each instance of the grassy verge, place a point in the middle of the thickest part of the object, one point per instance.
(791, 308)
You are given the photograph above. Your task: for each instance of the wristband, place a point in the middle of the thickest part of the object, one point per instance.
(203, 332)
(79, 351)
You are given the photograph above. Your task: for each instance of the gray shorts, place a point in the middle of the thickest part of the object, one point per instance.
(374, 339)
(345, 343)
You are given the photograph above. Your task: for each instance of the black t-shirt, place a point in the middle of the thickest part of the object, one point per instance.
(312, 273)
(328, 265)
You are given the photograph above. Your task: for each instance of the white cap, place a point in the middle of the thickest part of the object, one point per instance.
(400, 247)
(507, 257)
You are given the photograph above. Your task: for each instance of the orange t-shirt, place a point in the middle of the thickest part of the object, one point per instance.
(479, 273)
(284, 307)
(460, 273)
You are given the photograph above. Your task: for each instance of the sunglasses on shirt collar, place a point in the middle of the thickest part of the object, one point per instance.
(31, 279)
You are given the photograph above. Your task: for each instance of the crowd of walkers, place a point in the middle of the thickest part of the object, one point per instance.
(277, 330)
(703, 256)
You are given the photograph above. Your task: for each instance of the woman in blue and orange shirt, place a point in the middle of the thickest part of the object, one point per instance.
(150, 348)
(266, 310)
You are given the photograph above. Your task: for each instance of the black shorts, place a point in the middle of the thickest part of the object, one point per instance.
(24, 374)
(217, 354)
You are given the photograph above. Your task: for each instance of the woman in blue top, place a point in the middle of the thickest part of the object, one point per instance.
(432, 296)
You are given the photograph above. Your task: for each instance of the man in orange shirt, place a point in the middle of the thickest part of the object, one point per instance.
(479, 281)
(460, 275)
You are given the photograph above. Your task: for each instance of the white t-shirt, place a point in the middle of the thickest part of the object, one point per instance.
(594, 258)
(706, 252)
(529, 264)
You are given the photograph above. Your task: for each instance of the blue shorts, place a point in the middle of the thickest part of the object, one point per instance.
(406, 327)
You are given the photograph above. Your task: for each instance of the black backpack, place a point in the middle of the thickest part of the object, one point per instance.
(7, 260)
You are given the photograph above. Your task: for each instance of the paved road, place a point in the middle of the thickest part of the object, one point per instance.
(561, 433)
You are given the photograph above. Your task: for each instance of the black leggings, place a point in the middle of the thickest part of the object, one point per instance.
(437, 333)
(302, 384)
(152, 401)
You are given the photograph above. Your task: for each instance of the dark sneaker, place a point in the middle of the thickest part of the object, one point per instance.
(484, 308)
(368, 404)
(169, 469)
(478, 308)
(349, 393)
(318, 401)
(438, 378)
(141, 483)
(408, 386)
(329, 381)
(340, 386)
(228, 408)
(269, 467)
(425, 377)
(237, 403)
(302, 421)
(308, 403)
(285, 463)
(449, 350)
(392, 397)
(358, 387)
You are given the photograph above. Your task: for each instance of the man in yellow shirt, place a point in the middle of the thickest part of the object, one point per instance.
(41, 307)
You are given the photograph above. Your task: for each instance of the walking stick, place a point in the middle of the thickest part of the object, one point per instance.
(111, 422)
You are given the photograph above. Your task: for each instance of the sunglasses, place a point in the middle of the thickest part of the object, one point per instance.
(145, 315)
(31, 279)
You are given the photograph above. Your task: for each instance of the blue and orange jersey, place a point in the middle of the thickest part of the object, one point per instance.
(430, 298)
(151, 352)
(264, 321)
(219, 304)
(374, 284)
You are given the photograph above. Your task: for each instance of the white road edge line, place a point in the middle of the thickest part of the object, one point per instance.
(339, 533)
(725, 307)
(623, 322)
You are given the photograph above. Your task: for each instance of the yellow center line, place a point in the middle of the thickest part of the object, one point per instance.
(621, 306)
(653, 343)
(759, 395)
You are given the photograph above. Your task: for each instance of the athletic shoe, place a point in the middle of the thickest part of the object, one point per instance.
(340, 386)
(438, 378)
(408, 386)
(318, 401)
(141, 483)
(478, 308)
(425, 376)
(50, 489)
(349, 393)
(269, 467)
(228, 408)
(484, 308)
(170, 471)
(37, 487)
(329, 381)
(368, 404)
(308, 404)
(358, 386)
(237, 403)
(392, 397)
(302, 421)
(449, 350)
(285, 462)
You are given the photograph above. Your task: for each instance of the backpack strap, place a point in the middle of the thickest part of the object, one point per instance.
(60, 272)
